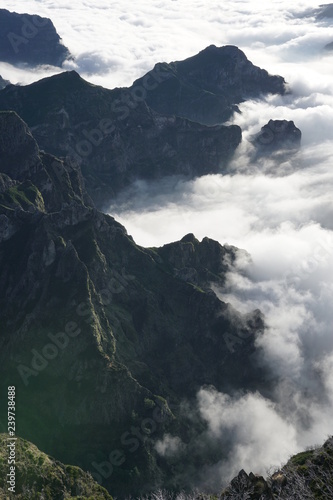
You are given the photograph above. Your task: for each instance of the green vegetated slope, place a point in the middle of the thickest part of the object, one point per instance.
(38, 475)
(307, 475)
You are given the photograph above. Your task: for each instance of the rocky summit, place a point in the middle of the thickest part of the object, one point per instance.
(207, 87)
(30, 39)
(278, 135)
(156, 128)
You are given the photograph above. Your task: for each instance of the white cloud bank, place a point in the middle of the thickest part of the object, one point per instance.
(116, 42)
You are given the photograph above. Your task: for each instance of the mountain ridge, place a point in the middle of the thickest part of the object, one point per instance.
(121, 135)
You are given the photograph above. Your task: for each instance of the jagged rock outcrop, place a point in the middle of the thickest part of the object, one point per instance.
(307, 475)
(206, 87)
(156, 128)
(247, 486)
(30, 39)
(188, 255)
(96, 332)
(278, 135)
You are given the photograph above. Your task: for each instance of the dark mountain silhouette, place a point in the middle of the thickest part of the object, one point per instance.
(121, 135)
(207, 87)
(30, 39)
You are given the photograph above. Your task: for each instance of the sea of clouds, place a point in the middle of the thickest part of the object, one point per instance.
(114, 43)
(280, 212)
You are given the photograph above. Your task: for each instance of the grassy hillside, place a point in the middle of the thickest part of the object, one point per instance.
(40, 476)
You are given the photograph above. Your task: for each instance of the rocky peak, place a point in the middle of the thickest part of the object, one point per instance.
(198, 262)
(66, 81)
(215, 80)
(247, 486)
(279, 134)
(227, 69)
(118, 137)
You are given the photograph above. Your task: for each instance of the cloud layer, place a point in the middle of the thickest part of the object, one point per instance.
(123, 41)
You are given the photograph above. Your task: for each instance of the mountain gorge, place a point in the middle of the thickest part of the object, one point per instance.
(107, 342)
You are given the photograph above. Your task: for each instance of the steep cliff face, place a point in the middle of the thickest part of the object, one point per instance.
(30, 39)
(157, 127)
(97, 332)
